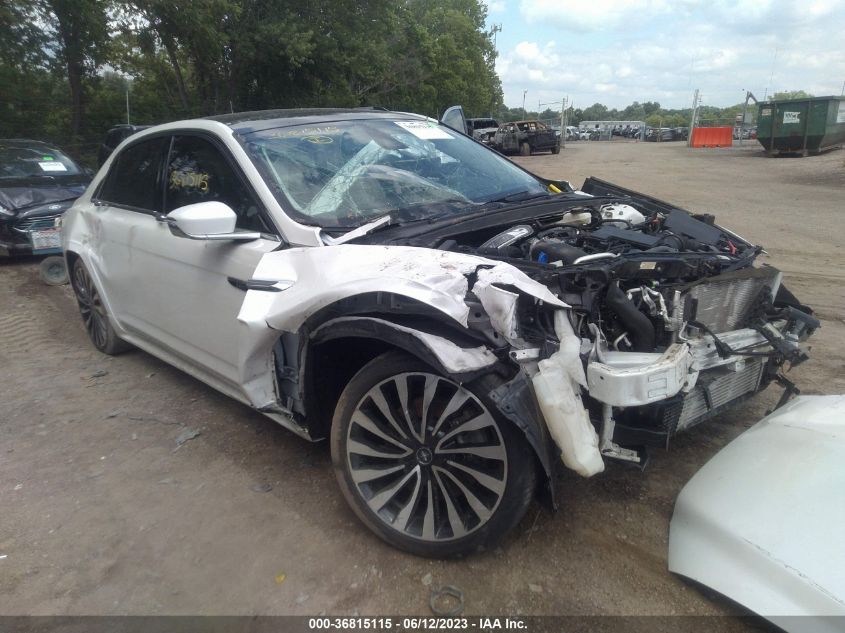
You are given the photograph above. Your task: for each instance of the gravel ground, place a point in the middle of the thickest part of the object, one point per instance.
(102, 511)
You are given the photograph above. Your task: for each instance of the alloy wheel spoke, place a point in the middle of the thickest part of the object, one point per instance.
(481, 511)
(428, 396)
(358, 448)
(428, 518)
(473, 424)
(455, 523)
(377, 397)
(491, 483)
(458, 400)
(365, 422)
(401, 520)
(363, 475)
(488, 452)
(378, 501)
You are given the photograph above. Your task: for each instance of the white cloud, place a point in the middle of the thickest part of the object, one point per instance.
(616, 52)
(589, 14)
(495, 6)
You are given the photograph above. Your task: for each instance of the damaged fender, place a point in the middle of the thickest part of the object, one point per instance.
(291, 294)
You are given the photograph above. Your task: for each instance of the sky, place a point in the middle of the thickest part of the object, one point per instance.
(619, 51)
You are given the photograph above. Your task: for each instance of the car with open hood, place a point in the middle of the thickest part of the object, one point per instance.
(38, 183)
(454, 326)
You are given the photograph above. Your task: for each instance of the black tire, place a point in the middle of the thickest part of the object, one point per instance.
(95, 319)
(428, 502)
(53, 271)
(524, 149)
(556, 149)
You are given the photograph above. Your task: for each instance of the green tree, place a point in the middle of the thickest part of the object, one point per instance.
(596, 112)
(78, 36)
(791, 94)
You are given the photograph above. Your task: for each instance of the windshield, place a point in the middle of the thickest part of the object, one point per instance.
(347, 173)
(34, 162)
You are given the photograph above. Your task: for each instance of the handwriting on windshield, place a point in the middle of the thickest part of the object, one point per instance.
(300, 132)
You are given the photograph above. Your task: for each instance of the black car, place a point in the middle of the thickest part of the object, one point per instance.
(38, 183)
(114, 137)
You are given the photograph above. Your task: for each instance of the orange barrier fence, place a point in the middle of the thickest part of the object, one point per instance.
(712, 137)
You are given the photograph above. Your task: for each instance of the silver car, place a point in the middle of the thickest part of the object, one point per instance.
(455, 326)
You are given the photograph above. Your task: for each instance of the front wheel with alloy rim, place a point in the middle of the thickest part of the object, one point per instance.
(93, 312)
(426, 463)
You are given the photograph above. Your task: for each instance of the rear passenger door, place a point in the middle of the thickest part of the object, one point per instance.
(125, 206)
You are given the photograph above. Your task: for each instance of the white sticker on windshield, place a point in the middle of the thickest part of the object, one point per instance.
(52, 165)
(424, 129)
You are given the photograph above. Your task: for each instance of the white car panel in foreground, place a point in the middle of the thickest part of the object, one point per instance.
(762, 522)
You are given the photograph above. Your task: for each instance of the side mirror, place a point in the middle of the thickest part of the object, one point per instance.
(207, 221)
(455, 119)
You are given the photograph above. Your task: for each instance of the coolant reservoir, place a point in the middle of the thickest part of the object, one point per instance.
(622, 212)
(578, 218)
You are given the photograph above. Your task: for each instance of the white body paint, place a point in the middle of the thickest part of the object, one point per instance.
(762, 521)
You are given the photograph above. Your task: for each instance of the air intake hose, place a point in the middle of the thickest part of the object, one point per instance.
(637, 324)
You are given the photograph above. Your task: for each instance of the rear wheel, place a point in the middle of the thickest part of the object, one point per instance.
(525, 149)
(425, 462)
(93, 312)
(556, 149)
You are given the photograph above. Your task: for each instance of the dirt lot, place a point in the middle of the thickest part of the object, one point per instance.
(102, 513)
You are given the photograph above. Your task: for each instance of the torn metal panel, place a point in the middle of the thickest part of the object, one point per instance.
(451, 357)
(629, 379)
(316, 278)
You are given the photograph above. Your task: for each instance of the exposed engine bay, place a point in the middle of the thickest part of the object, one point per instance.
(674, 319)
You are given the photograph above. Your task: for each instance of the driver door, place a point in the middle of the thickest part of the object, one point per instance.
(193, 289)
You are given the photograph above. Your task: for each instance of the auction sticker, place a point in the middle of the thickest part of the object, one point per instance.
(791, 117)
(424, 129)
(52, 165)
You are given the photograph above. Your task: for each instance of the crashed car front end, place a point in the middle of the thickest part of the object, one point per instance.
(667, 320)
(610, 336)
(613, 320)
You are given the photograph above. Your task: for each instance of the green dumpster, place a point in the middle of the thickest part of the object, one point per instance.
(801, 125)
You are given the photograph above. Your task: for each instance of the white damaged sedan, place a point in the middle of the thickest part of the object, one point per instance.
(456, 326)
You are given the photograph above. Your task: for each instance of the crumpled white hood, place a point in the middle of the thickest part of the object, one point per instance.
(327, 274)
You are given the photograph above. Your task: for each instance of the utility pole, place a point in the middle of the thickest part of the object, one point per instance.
(563, 121)
(524, 92)
(127, 102)
(496, 28)
(693, 118)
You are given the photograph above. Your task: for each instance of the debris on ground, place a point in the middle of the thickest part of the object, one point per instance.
(447, 601)
(186, 435)
(535, 588)
(99, 373)
(261, 488)
(426, 580)
(280, 578)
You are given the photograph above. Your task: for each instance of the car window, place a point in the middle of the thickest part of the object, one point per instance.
(346, 173)
(134, 179)
(197, 171)
(36, 161)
